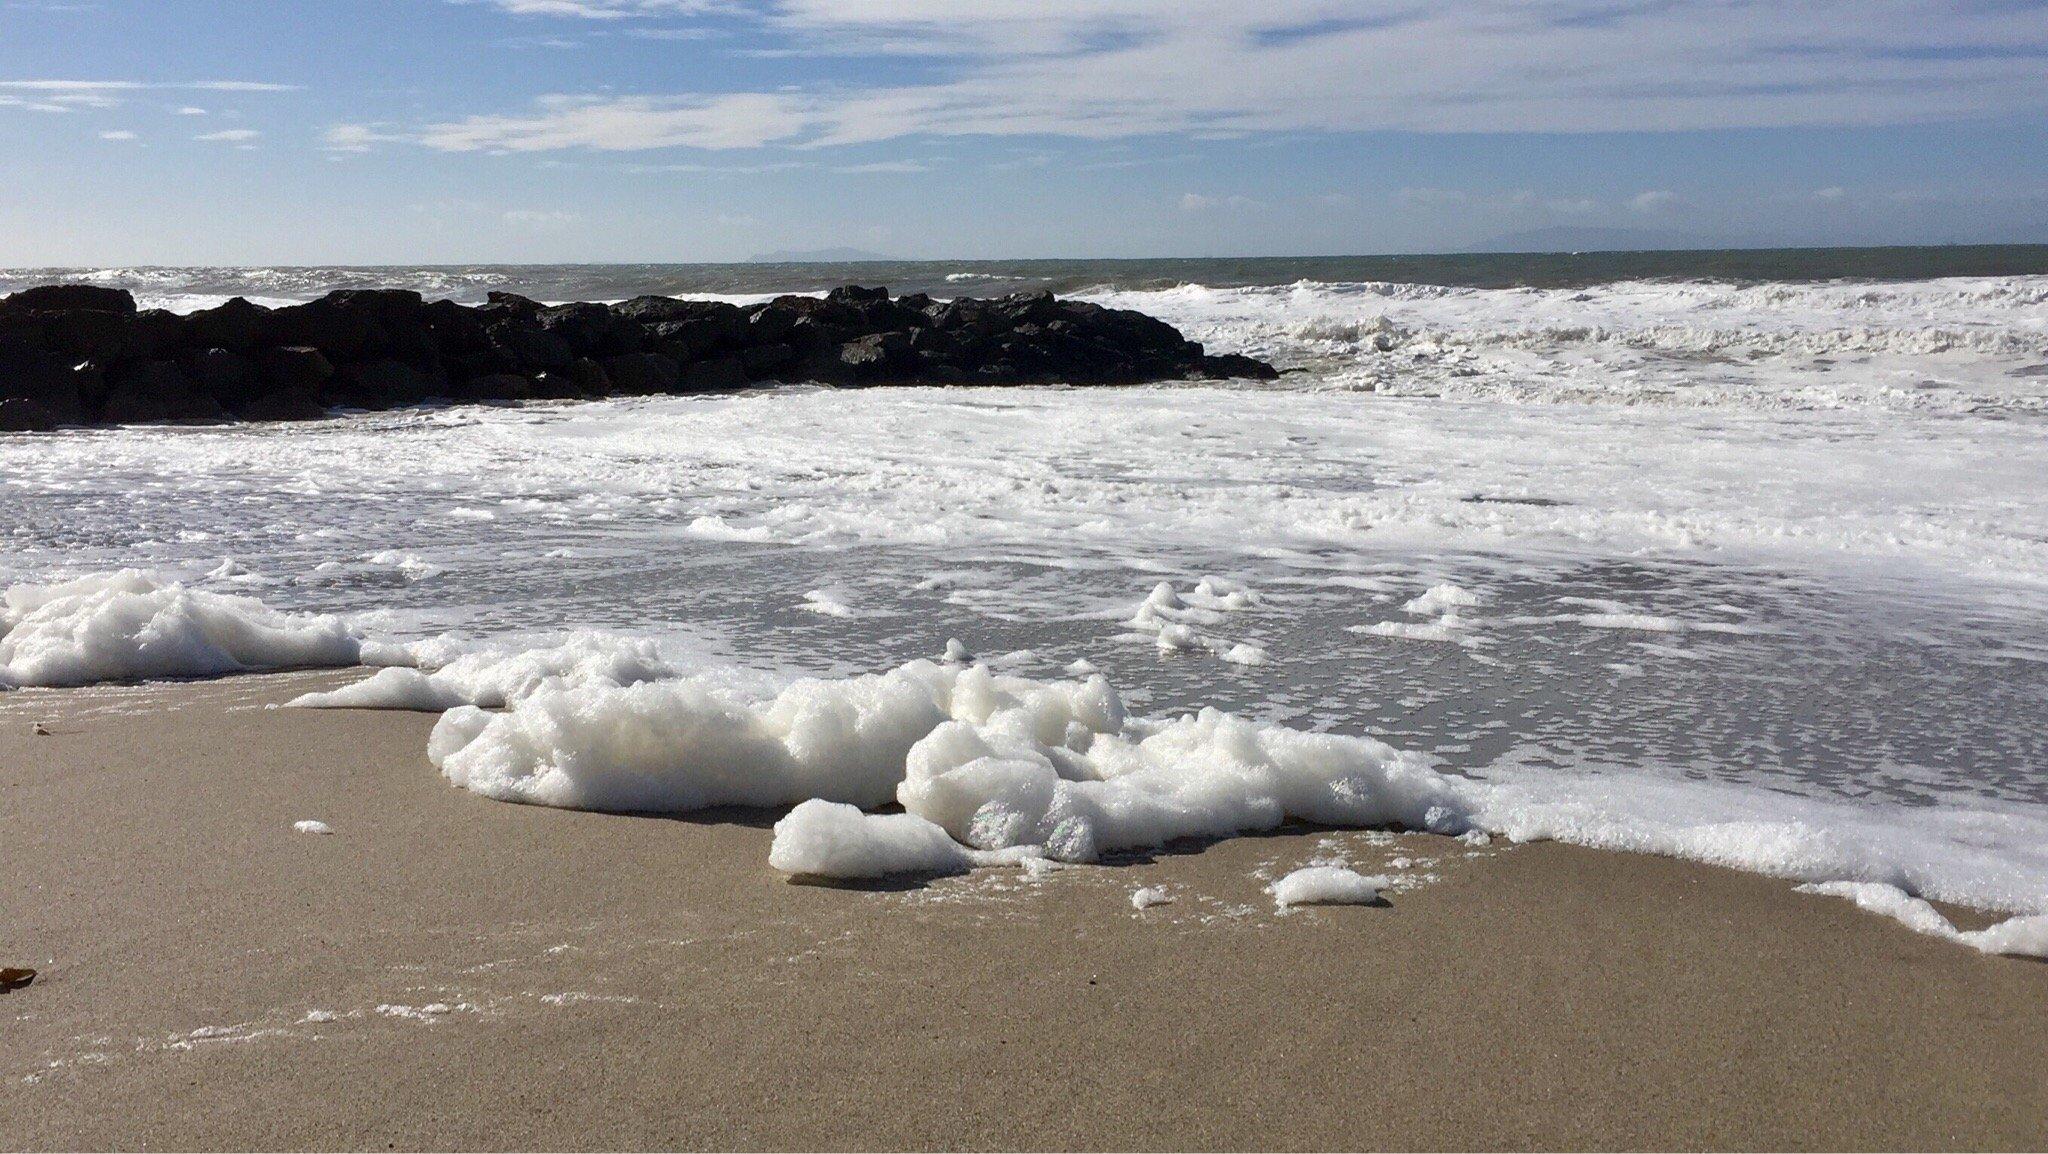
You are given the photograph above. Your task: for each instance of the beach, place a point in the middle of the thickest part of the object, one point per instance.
(447, 971)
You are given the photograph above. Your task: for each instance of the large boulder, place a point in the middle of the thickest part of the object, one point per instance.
(153, 335)
(157, 391)
(641, 374)
(233, 325)
(64, 389)
(294, 367)
(87, 335)
(382, 384)
(21, 415)
(716, 375)
(293, 404)
(70, 298)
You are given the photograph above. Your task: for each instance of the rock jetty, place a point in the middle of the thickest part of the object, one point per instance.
(85, 355)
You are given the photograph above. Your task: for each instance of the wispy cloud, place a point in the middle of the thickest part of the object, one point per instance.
(881, 166)
(627, 124)
(538, 218)
(1221, 68)
(1655, 200)
(140, 85)
(230, 135)
(605, 9)
(117, 134)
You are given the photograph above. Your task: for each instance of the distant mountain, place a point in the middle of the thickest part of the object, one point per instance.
(818, 256)
(1571, 239)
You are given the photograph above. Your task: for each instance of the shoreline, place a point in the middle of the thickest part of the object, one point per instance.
(209, 977)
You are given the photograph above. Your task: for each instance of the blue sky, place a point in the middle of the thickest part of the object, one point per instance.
(367, 131)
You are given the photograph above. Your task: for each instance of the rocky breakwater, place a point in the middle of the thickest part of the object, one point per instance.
(85, 355)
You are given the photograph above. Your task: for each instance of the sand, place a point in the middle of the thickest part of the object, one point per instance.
(617, 981)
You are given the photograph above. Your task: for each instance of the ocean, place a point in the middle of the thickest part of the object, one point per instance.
(1738, 556)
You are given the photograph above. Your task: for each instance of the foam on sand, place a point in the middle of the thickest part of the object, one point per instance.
(992, 768)
(493, 677)
(1326, 885)
(832, 840)
(131, 625)
(2021, 935)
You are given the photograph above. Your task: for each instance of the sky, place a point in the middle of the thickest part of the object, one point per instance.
(453, 131)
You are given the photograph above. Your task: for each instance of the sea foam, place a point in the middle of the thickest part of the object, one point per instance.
(131, 625)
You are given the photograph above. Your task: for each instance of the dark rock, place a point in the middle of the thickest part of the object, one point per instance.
(855, 294)
(21, 415)
(154, 335)
(70, 298)
(641, 374)
(64, 389)
(1230, 366)
(233, 325)
(339, 332)
(456, 331)
(382, 384)
(293, 404)
(871, 358)
(295, 367)
(87, 336)
(720, 374)
(226, 377)
(529, 349)
(579, 378)
(510, 304)
(762, 361)
(588, 329)
(80, 352)
(157, 391)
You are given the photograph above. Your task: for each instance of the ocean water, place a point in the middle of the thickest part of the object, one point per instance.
(1759, 536)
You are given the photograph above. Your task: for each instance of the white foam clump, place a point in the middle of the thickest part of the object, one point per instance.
(1326, 885)
(131, 625)
(828, 602)
(2021, 935)
(830, 839)
(494, 677)
(320, 827)
(1178, 623)
(1149, 896)
(1443, 602)
(998, 763)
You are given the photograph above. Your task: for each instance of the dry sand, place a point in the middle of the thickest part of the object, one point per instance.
(627, 981)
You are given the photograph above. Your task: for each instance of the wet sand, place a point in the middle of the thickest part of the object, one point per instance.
(210, 978)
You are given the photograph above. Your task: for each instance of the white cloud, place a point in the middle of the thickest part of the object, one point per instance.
(1653, 201)
(738, 120)
(532, 218)
(137, 85)
(885, 166)
(1830, 194)
(352, 138)
(604, 9)
(1220, 68)
(230, 135)
(1196, 202)
(188, 110)
(117, 134)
